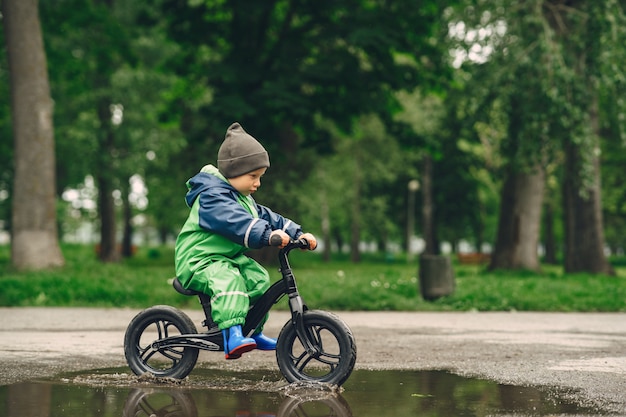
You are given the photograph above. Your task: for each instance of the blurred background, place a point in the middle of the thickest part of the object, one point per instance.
(488, 128)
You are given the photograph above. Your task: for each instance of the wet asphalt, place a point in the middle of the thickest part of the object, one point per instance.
(582, 355)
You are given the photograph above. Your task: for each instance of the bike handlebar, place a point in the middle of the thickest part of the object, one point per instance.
(276, 240)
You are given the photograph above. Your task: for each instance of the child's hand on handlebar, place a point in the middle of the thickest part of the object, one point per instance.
(310, 239)
(279, 239)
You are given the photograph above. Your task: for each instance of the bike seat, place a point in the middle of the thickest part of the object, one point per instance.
(179, 287)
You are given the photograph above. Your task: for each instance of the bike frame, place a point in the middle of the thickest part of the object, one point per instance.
(213, 339)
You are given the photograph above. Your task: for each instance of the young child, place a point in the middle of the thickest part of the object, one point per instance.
(224, 222)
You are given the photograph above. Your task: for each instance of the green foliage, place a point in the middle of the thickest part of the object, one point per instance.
(613, 191)
(84, 281)
(359, 172)
(375, 284)
(538, 73)
(6, 136)
(111, 91)
(280, 65)
(550, 290)
(311, 78)
(543, 58)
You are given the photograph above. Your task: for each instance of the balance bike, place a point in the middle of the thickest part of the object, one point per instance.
(313, 346)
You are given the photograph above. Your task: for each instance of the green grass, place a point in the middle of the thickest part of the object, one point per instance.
(374, 284)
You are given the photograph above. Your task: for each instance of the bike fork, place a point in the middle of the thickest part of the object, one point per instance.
(297, 320)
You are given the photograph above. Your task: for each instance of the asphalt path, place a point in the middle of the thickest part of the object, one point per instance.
(583, 354)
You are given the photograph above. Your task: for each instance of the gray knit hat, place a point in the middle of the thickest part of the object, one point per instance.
(240, 153)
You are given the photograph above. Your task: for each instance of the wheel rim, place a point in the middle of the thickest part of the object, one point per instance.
(320, 365)
(158, 361)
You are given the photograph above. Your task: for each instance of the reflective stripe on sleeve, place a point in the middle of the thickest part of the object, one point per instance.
(247, 235)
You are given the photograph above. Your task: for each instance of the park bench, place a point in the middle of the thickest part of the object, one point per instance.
(474, 258)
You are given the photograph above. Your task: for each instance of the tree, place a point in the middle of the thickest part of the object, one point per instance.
(6, 146)
(34, 237)
(511, 91)
(542, 64)
(112, 93)
(423, 115)
(522, 192)
(552, 230)
(517, 241)
(614, 187)
(588, 32)
(88, 44)
(348, 192)
(275, 66)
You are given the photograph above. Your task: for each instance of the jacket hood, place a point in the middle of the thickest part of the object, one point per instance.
(208, 177)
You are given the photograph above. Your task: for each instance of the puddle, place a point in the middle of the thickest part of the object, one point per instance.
(217, 393)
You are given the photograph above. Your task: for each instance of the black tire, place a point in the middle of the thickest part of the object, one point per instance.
(333, 339)
(153, 324)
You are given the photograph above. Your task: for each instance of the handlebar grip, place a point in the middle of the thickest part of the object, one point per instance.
(303, 243)
(275, 240)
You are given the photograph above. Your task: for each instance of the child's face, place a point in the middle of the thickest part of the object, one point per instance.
(248, 183)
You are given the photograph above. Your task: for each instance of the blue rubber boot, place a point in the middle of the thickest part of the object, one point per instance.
(263, 342)
(235, 344)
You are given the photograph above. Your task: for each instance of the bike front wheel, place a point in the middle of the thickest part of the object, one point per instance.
(333, 355)
(150, 326)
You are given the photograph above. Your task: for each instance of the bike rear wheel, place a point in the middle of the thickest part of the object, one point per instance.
(335, 353)
(151, 325)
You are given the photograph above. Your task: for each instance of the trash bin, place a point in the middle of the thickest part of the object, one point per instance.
(436, 277)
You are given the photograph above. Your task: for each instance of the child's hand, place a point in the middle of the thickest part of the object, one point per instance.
(311, 239)
(279, 234)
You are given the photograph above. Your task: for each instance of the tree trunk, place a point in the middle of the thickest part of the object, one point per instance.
(35, 239)
(584, 233)
(106, 205)
(127, 236)
(355, 227)
(355, 224)
(428, 208)
(338, 239)
(520, 219)
(164, 233)
(28, 399)
(413, 185)
(326, 235)
(548, 235)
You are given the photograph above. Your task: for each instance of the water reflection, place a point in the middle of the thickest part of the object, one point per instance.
(218, 393)
(160, 403)
(437, 393)
(151, 402)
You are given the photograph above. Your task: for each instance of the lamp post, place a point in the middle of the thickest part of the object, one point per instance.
(412, 186)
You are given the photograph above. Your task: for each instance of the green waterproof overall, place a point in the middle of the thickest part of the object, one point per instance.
(214, 265)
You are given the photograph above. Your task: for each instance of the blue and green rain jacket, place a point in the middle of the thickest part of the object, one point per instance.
(222, 223)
